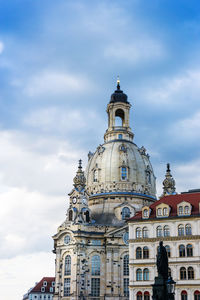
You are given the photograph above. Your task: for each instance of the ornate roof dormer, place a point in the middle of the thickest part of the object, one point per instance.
(168, 183)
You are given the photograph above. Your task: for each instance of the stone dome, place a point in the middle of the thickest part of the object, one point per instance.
(120, 166)
(119, 175)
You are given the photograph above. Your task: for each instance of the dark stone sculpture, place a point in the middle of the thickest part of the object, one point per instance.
(162, 261)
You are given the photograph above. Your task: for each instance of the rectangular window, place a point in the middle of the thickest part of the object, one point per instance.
(67, 287)
(119, 136)
(96, 242)
(95, 287)
(126, 287)
(123, 173)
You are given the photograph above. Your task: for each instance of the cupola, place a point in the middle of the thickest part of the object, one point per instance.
(118, 117)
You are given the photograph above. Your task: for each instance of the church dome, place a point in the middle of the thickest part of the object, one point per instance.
(120, 166)
(119, 172)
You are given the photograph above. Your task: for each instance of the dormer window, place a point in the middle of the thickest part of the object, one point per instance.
(53, 283)
(186, 210)
(123, 173)
(159, 212)
(45, 283)
(42, 289)
(165, 211)
(145, 213)
(180, 210)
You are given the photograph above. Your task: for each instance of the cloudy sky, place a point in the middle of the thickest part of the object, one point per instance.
(59, 61)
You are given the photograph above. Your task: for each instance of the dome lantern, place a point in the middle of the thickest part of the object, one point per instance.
(118, 116)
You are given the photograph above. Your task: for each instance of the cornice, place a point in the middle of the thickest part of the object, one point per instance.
(168, 238)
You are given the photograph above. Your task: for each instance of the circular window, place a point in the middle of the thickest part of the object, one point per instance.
(67, 239)
(125, 238)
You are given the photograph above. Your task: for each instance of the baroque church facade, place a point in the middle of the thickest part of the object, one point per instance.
(91, 245)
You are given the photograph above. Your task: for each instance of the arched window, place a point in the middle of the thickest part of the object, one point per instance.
(165, 211)
(159, 211)
(182, 251)
(169, 272)
(190, 272)
(159, 231)
(180, 210)
(166, 230)
(126, 265)
(197, 295)
(145, 213)
(145, 232)
(139, 295)
(68, 265)
(183, 295)
(126, 287)
(145, 252)
(189, 250)
(70, 215)
(180, 230)
(125, 213)
(146, 274)
(188, 229)
(138, 274)
(123, 173)
(96, 262)
(167, 247)
(186, 210)
(119, 117)
(138, 232)
(182, 273)
(87, 216)
(95, 175)
(138, 253)
(146, 296)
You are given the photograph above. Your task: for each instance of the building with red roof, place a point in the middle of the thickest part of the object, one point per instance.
(43, 290)
(174, 219)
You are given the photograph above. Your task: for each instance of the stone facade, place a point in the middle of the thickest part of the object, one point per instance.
(91, 246)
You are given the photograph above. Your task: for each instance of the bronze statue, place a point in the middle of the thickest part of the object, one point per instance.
(162, 261)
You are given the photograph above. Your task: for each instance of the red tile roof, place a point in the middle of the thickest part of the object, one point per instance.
(172, 201)
(37, 288)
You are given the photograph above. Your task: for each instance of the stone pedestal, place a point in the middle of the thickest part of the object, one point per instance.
(159, 289)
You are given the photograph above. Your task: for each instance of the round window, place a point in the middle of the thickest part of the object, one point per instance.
(125, 238)
(67, 239)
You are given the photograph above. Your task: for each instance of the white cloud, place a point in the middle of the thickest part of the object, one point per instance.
(176, 90)
(137, 52)
(35, 163)
(19, 274)
(188, 175)
(188, 128)
(1, 47)
(50, 82)
(35, 176)
(54, 118)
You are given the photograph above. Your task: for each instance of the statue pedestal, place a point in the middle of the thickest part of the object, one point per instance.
(159, 289)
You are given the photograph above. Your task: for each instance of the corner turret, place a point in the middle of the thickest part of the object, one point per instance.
(78, 211)
(168, 183)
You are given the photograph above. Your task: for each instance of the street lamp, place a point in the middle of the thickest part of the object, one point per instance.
(170, 288)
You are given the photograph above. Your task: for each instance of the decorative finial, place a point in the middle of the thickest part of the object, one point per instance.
(168, 183)
(79, 179)
(80, 164)
(118, 83)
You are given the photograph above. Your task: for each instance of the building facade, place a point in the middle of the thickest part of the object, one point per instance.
(91, 245)
(43, 290)
(174, 219)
